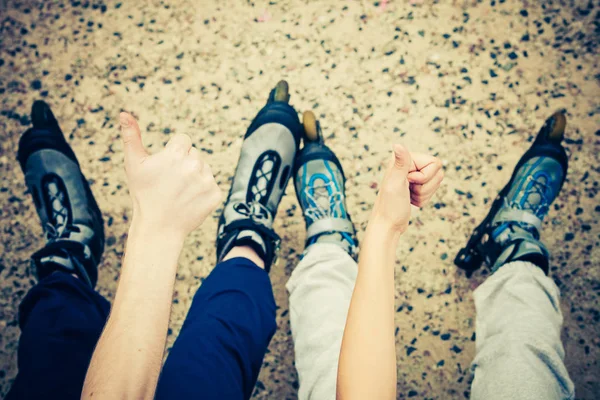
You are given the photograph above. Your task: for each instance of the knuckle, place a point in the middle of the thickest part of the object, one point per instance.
(179, 142)
(419, 202)
(181, 137)
(192, 166)
(218, 195)
(172, 140)
(196, 162)
(215, 197)
(416, 190)
(127, 138)
(208, 179)
(174, 150)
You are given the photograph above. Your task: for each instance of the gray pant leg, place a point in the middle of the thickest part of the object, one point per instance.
(320, 289)
(519, 352)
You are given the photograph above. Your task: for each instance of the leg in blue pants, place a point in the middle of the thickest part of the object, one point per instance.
(61, 320)
(220, 348)
(217, 355)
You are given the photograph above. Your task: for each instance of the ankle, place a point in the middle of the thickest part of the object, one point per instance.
(345, 241)
(67, 256)
(247, 233)
(523, 249)
(245, 252)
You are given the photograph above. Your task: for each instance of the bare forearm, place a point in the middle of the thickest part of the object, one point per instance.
(127, 360)
(367, 366)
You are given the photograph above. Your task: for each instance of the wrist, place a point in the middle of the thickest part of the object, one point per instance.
(383, 228)
(153, 232)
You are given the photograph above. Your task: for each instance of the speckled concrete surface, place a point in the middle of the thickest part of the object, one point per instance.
(469, 81)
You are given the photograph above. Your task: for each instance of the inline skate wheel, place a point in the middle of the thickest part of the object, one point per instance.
(311, 126)
(282, 92)
(41, 115)
(557, 131)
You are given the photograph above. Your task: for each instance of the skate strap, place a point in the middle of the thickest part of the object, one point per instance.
(65, 255)
(522, 247)
(228, 238)
(516, 215)
(330, 225)
(249, 224)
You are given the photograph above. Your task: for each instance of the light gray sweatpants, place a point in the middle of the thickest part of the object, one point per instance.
(320, 291)
(519, 352)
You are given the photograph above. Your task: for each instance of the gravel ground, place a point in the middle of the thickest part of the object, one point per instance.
(469, 81)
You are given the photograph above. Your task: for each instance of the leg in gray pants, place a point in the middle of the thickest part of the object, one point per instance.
(519, 352)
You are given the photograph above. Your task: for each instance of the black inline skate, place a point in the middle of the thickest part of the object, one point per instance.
(263, 171)
(64, 202)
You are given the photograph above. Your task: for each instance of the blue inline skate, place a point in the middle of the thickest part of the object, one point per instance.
(511, 230)
(320, 187)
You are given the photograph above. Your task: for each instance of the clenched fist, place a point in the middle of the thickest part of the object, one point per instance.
(174, 190)
(411, 178)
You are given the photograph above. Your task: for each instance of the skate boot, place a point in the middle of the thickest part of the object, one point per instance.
(262, 174)
(319, 181)
(64, 202)
(511, 231)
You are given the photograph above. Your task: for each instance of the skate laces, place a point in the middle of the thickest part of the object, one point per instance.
(66, 245)
(59, 226)
(541, 189)
(54, 233)
(535, 187)
(76, 233)
(315, 210)
(254, 210)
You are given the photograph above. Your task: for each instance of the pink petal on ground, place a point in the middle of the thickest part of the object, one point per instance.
(383, 4)
(264, 17)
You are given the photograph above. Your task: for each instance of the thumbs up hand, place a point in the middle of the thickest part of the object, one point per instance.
(411, 178)
(174, 190)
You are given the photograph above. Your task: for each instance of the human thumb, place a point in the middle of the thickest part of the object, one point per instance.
(132, 138)
(402, 159)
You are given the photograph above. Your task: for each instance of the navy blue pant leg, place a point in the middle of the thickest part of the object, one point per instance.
(220, 348)
(61, 319)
